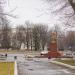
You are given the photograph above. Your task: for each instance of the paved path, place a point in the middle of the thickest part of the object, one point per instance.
(20, 57)
(41, 66)
(38, 66)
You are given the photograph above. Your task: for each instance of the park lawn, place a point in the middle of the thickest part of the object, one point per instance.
(69, 62)
(6, 68)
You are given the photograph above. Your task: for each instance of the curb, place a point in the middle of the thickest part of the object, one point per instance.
(15, 69)
(62, 64)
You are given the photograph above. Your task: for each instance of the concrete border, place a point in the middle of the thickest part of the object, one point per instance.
(62, 64)
(15, 69)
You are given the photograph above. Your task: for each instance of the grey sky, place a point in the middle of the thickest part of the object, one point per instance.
(38, 11)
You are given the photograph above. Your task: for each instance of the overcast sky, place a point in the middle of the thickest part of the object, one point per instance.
(38, 11)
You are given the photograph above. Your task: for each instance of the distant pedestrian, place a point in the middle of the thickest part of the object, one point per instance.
(6, 54)
(15, 57)
(49, 57)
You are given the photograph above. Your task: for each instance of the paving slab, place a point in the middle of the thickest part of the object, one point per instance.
(41, 66)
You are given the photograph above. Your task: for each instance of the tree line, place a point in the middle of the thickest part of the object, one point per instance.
(31, 36)
(34, 37)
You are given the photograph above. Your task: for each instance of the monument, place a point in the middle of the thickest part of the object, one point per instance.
(53, 48)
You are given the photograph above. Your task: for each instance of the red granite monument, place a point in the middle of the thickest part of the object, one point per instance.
(53, 48)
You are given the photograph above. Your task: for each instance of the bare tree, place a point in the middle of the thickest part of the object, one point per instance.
(43, 32)
(20, 38)
(70, 40)
(6, 30)
(31, 38)
(72, 3)
(36, 39)
(40, 36)
(66, 18)
(14, 41)
(28, 34)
